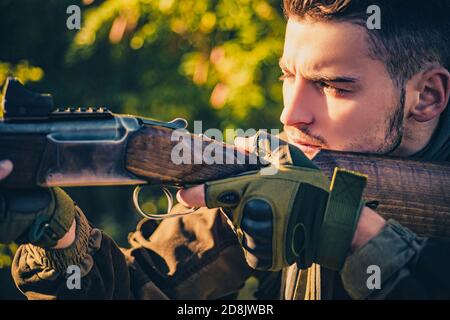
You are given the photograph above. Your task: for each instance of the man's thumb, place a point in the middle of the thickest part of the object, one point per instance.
(192, 197)
(6, 168)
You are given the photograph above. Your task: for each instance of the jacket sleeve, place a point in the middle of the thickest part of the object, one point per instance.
(409, 267)
(49, 273)
(191, 257)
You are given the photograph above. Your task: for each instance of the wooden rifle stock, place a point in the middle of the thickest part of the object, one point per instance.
(414, 193)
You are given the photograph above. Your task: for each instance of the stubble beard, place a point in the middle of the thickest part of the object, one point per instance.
(395, 129)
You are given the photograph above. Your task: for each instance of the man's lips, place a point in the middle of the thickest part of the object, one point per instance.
(307, 148)
(306, 144)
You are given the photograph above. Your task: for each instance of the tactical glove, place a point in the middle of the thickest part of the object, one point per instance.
(39, 216)
(292, 215)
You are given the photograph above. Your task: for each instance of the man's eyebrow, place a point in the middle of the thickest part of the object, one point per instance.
(322, 77)
(332, 79)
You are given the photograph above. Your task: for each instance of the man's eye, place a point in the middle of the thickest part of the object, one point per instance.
(326, 88)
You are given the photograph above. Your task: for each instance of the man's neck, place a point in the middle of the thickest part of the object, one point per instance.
(416, 136)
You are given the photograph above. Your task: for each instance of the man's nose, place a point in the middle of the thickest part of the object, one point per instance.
(298, 103)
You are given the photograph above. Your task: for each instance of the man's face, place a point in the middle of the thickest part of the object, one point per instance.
(335, 96)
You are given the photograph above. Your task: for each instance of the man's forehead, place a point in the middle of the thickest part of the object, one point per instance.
(321, 46)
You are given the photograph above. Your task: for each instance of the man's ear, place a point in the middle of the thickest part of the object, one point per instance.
(434, 92)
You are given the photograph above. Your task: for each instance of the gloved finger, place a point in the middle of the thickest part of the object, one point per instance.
(259, 258)
(257, 225)
(260, 250)
(272, 149)
(260, 231)
(6, 167)
(246, 143)
(19, 209)
(262, 144)
(257, 219)
(226, 192)
(192, 197)
(258, 242)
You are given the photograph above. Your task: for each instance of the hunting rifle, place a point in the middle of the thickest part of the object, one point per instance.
(91, 147)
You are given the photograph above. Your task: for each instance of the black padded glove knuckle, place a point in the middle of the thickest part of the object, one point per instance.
(258, 210)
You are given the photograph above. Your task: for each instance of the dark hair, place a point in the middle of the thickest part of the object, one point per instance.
(413, 33)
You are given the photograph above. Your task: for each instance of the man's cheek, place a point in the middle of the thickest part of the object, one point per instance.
(348, 125)
(339, 110)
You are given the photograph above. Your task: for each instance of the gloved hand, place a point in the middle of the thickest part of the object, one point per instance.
(293, 214)
(40, 216)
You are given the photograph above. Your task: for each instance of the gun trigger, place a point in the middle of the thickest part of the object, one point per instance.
(153, 216)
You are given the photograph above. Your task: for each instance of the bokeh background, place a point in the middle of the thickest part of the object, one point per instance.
(215, 61)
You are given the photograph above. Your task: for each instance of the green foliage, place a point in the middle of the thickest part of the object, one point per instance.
(23, 71)
(7, 251)
(197, 57)
(215, 61)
